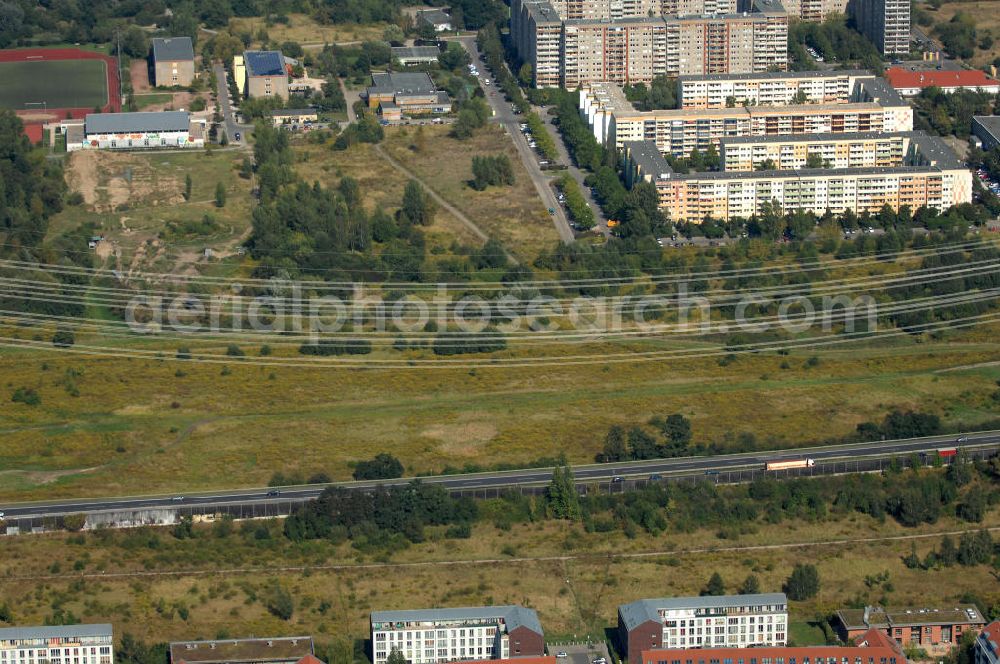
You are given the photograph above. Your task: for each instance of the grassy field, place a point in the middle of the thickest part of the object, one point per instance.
(149, 99)
(987, 20)
(515, 215)
(136, 200)
(144, 426)
(59, 83)
(303, 29)
(144, 580)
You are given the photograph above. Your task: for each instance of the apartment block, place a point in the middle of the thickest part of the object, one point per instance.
(61, 644)
(814, 10)
(173, 61)
(928, 174)
(861, 150)
(885, 22)
(737, 621)
(264, 74)
(430, 636)
(871, 648)
(632, 41)
(926, 627)
(769, 89)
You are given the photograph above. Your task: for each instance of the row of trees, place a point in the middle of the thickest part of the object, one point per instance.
(492, 170)
(637, 444)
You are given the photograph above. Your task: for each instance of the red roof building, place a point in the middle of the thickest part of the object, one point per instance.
(909, 83)
(873, 647)
(987, 649)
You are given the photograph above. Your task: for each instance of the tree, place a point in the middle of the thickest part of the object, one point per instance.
(396, 657)
(417, 206)
(135, 42)
(74, 522)
(767, 165)
(716, 586)
(280, 603)
(677, 430)
(803, 582)
(220, 195)
(947, 553)
(975, 548)
(393, 33)
(614, 446)
(188, 184)
(751, 585)
(814, 160)
(562, 499)
(973, 508)
(63, 338)
(641, 445)
(382, 467)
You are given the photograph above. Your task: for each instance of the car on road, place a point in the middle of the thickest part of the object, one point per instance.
(561, 654)
(617, 478)
(273, 492)
(236, 135)
(1, 515)
(655, 477)
(962, 439)
(177, 499)
(486, 81)
(552, 210)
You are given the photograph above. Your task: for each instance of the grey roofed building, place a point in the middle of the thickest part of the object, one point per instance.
(987, 129)
(54, 631)
(258, 650)
(648, 158)
(513, 616)
(643, 610)
(111, 123)
(264, 63)
(434, 17)
(401, 83)
(282, 112)
(415, 53)
(172, 48)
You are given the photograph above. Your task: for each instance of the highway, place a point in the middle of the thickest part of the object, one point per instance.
(586, 474)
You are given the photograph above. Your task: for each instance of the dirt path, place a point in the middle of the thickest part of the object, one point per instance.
(605, 555)
(138, 73)
(458, 214)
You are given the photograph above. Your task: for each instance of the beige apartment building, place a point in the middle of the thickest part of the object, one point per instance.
(633, 41)
(615, 121)
(769, 89)
(173, 61)
(853, 150)
(928, 174)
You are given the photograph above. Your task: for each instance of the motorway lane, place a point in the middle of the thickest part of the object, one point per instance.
(508, 479)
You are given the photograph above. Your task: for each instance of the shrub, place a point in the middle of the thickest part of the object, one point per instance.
(27, 396)
(382, 467)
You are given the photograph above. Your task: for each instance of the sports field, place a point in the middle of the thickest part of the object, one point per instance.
(57, 83)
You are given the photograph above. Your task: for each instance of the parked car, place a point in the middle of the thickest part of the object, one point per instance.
(561, 654)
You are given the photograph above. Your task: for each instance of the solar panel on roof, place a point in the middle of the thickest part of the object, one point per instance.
(264, 63)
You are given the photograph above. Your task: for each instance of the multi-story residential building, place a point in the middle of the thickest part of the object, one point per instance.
(862, 150)
(273, 650)
(885, 22)
(987, 649)
(923, 627)
(173, 61)
(679, 131)
(927, 175)
(769, 89)
(872, 648)
(261, 74)
(737, 621)
(430, 636)
(574, 42)
(62, 644)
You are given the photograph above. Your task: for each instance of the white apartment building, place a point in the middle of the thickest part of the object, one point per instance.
(431, 636)
(732, 621)
(62, 644)
(769, 89)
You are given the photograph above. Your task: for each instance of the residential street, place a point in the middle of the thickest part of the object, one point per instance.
(510, 121)
(228, 118)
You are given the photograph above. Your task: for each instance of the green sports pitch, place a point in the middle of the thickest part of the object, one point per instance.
(46, 84)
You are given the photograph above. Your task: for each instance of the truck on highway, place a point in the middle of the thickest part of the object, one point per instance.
(789, 464)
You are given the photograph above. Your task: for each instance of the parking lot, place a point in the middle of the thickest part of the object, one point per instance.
(582, 653)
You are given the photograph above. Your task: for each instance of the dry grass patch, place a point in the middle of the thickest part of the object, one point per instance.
(987, 19)
(303, 29)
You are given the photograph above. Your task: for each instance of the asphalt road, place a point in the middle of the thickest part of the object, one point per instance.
(503, 114)
(228, 118)
(508, 479)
